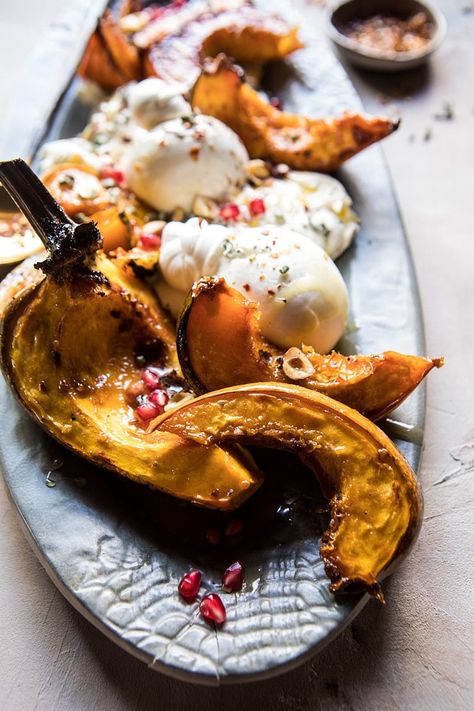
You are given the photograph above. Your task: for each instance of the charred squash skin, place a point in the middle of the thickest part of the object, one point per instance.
(301, 142)
(214, 356)
(69, 347)
(374, 499)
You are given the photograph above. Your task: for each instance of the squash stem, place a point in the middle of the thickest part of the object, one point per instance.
(35, 201)
(71, 246)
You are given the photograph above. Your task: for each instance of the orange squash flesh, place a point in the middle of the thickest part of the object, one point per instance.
(75, 342)
(301, 142)
(69, 350)
(214, 355)
(114, 229)
(375, 502)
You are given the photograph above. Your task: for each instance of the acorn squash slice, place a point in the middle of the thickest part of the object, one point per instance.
(301, 142)
(247, 34)
(214, 356)
(72, 343)
(374, 499)
(172, 42)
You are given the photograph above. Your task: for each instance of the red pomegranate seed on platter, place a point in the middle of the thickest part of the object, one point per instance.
(149, 241)
(257, 207)
(189, 585)
(233, 578)
(230, 211)
(212, 609)
(276, 102)
(147, 411)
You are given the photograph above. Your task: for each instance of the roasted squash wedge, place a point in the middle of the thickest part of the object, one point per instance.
(247, 34)
(73, 342)
(375, 503)
(301, 142)
(170, 42)
(110, 59)
(214, 356)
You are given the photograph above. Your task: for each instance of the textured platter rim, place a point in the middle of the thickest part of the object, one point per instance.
(228, 678)
(155, 665)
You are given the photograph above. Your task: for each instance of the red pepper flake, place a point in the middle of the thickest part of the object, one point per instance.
(230, 211)
(276, 103)
(111, 173)
(194, 152)
(246, 287)
(271, 292)
(149, 242)
(257, 207)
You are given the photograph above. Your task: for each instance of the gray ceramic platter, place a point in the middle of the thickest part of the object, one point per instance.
(117, 551)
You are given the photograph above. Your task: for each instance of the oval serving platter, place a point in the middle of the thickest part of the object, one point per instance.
(117, 550)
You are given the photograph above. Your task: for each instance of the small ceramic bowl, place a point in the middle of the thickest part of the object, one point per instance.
(381, 60)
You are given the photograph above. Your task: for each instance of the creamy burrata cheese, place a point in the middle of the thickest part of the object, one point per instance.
(169, 166)
(300, 292)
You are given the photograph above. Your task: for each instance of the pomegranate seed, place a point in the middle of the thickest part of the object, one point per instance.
(257, 207)
(159, 398)
(133, 391)
(212, 609)
(233, 578)
(230, 211)
(112, 173)
(234, 528)
(147, 411)
(213, 536)
(276, 102)
(189, 585)
(149, 241)
(150, 379)
(156, 12)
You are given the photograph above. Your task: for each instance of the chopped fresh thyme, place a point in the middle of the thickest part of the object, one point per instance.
(230, 251)
(446, 113)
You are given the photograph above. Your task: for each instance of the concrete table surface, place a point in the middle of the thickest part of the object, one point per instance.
(416, 652)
